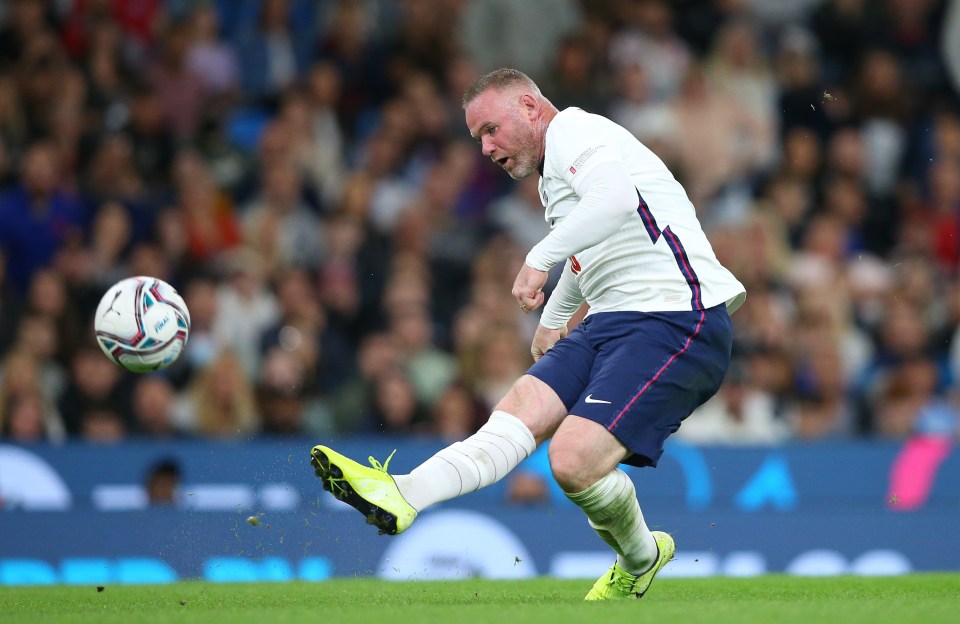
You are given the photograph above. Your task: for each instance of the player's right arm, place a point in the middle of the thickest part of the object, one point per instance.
(607, 199)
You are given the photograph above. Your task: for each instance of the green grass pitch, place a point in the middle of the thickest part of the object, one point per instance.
(920, 598)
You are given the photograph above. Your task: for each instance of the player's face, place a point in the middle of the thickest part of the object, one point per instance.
(504, 124)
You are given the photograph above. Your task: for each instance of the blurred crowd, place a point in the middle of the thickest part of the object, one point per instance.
(300, 171)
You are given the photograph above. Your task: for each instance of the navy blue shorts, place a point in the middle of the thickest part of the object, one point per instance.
(639, 374)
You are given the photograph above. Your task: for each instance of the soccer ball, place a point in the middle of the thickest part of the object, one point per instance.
(142, 324)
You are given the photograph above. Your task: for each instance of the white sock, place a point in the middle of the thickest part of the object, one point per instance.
(481, 460)
(614, 513)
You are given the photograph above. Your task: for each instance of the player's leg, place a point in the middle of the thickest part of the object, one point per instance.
(584, 458)
(530, 413)
(527, 415)
(651, 371)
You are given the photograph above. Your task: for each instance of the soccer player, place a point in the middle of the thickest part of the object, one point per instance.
(654, 345)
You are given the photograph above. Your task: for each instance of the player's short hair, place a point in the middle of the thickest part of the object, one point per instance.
(499, 79)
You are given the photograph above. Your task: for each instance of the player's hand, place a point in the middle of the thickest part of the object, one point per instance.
(528, 288)
(544, 339)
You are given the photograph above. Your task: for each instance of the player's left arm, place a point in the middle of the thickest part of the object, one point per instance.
(565, 302)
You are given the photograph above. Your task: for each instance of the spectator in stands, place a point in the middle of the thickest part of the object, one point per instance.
(501, 358)
(457, 413)
(287, 398)
(316, 145)
(245, 307)
(162, 482)
(200, 294)
(151, 137)
(95, 385)
(209, 58)
(709, 122)
(339, 280)
(519, 214)
(395, 408)
(155, 409)
(107, 72)
(634, 107)
(352, 402)
(300, 325)
(738, 67)
(740, 413)
(27, 419)
(110, 175)
(49, 299)
(800, 98)
(100, 425)
(38, 215)
(37, 335)
(206, 213)
(220, 401)
(430, 369)
(181, 91)
(274, 53)
(279, 225)
(649, 36)
(496, 32)
(110, 238)
(13, 124)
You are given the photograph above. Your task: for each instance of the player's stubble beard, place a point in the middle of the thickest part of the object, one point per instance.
(528, 153)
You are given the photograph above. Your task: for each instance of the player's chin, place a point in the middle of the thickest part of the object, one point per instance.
(518, 172)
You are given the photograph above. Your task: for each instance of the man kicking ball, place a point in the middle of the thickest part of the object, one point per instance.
(654, 345)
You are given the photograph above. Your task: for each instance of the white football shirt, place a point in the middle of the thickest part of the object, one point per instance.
(659, 260)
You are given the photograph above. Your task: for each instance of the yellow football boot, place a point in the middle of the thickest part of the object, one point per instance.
(370, 490)
(617, 583)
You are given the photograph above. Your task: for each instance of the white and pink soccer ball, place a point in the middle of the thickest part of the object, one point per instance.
(142, 324)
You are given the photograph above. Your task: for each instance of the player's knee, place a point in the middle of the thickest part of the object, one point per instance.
(569, 468)
(536, 404)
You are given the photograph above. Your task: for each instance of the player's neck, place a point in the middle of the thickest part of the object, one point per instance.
(549, 112)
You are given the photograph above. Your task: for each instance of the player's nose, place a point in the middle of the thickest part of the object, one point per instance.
(487, 146)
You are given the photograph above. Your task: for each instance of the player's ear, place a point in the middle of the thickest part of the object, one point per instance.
(530, 105)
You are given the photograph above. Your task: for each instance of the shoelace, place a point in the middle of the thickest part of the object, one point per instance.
(624, 581)
(337, 490)
(377, 465)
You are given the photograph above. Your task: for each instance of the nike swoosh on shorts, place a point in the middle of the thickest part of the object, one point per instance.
(590, 399)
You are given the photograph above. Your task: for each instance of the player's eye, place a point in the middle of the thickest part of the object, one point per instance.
(492, 130)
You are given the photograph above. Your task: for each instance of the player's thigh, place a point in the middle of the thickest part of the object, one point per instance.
(582, 452)
(536, 405)
(542, 398)
(652, 371)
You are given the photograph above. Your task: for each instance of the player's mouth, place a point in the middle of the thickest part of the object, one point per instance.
(503, 162)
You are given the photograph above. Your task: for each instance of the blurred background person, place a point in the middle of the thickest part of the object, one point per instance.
(162, 483)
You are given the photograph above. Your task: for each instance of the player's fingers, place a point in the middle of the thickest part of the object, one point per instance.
(528, 302)
(535, 301)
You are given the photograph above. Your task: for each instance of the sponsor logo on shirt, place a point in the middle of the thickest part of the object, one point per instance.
(582, 158)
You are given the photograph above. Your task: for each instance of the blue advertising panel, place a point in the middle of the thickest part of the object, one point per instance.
(254, 511)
